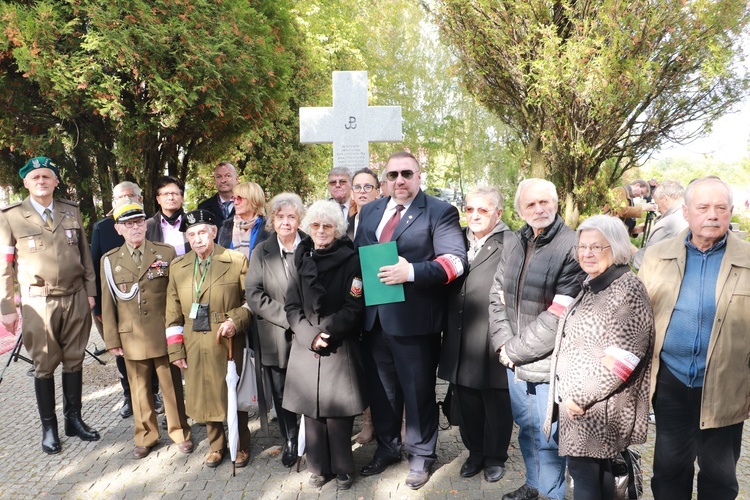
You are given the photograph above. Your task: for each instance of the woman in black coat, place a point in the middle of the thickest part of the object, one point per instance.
(324, 307)
(271, 267)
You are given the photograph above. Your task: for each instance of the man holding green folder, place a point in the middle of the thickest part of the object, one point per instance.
(402, 339)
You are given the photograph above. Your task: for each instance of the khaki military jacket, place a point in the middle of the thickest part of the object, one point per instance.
(136, 324)
(46, 262)
(224, 292)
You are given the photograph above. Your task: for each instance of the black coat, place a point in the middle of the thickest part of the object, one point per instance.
(466, 357)
(325, 296)
(103, 239)
(154, 232)
(213, 205)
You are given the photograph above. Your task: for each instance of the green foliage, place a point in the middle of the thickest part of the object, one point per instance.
(584, 84)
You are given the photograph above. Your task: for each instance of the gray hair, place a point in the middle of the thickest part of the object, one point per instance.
(128, 185)
(671, 189)
(527, 183)
(704, 180)
(282, 201)
(325, 211)
(340, 171)
(487, 192)
(614, 231)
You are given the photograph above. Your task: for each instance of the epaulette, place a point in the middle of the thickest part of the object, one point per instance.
(68, 202)
(178, 258)
(111, 252)
(8, 207)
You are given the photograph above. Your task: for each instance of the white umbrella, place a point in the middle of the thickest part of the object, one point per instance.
(232, 425)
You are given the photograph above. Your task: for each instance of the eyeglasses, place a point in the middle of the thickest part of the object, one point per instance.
(168, 194)
(393, 174)
(239, 198)
(317, 225)
(338, 182)
(593, 248)
(480, 210)
(367, 188)
(130, 224)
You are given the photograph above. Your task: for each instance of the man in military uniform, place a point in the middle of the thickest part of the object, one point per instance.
(206, 311)
(134, 297)
(45, 248)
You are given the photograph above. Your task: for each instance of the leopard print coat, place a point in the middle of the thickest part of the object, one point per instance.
(612, 309)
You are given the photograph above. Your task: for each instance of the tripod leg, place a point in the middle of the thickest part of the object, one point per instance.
(13, 355)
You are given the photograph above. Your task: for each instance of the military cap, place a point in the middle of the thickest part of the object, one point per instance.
(38, 162)
(128, 211)
(199, 216)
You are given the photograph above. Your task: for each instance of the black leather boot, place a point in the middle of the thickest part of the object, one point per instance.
(74, 426)
(45, 400)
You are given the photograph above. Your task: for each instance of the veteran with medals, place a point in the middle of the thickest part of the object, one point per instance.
(206, 310)
(134, 295)
(45, 250)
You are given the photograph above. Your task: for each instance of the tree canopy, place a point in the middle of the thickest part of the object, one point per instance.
(593, 87)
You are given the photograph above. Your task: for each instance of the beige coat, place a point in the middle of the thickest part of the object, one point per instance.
(726, 385)
(224, 291)
(137, 325)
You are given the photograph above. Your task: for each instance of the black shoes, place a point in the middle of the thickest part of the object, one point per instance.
(45, 400)
(471, 469)
(525, 492)
(74, 426)
(494, 473)
(127, 408)
(317, 481)
(289, 453)
(416, 479)
(344, 481)
(378, 465)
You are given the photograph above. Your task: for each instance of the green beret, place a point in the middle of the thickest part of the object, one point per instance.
(38, 162)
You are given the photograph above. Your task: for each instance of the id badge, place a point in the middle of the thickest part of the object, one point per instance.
(193, 310)
(201, 322)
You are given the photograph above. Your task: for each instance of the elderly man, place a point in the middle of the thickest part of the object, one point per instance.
(340, 188)
(221, 205)
(402, 343)
(466, 359)
(206, 311)
(700, 379)
(669, 198)
(103, 239)
(537, 277)
(47, 253)
(168, 223)
(135, 295)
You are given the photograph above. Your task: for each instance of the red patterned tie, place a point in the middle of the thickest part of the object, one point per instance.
(390, 226)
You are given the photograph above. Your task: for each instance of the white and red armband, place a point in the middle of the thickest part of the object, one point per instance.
(451, 265)
(625, 361)
(174, 335)
(8, 253)
(559, 303)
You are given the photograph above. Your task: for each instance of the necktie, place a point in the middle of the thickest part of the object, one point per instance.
(137, 257)
(390, 226)
(345, 211)
(225, 208)
(48, 217)
(288, 263)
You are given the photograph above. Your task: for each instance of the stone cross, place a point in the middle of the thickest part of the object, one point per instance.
(351, 125)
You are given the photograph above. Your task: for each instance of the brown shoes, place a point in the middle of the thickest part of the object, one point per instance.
(141, 452)
(186, 446)
(214, 458)
(243, 457)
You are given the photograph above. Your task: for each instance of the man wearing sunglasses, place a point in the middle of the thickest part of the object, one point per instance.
(402, 340)
(340, 188)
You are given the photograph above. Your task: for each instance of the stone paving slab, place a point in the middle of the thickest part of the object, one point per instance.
(105, 469)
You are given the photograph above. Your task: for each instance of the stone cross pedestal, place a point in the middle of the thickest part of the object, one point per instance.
(351, 125)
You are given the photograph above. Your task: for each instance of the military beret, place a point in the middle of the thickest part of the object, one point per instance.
(127, 211)
(199, 216)
(38, 162)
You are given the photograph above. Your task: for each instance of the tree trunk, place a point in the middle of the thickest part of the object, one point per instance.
(572, 211)
(538, 162)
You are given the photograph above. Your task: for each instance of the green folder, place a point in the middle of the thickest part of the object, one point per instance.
(372, 258)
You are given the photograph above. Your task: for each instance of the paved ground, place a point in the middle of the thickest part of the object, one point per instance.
(105, 469)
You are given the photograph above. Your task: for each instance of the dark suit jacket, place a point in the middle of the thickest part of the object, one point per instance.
(429, 236)
(103, 239)
(154, 232)
(350, 227)
(466, 357)
(213, 205)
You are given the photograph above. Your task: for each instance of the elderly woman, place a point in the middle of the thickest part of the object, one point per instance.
(247, 228)
(271, 266)
(601, 362)
(324, 307)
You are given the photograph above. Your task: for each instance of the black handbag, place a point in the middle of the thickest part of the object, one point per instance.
(449, 405)
(628, 475)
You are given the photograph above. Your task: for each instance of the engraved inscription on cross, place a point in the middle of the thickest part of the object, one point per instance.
(351, 125)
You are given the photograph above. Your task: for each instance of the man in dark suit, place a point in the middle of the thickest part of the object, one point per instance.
(221, 205)
(466, 359)
(103, 239)
(402, 340)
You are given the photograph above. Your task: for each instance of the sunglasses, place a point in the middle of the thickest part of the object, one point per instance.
(393, 174)
(317, 225)
(480, 210)
(338, 183)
